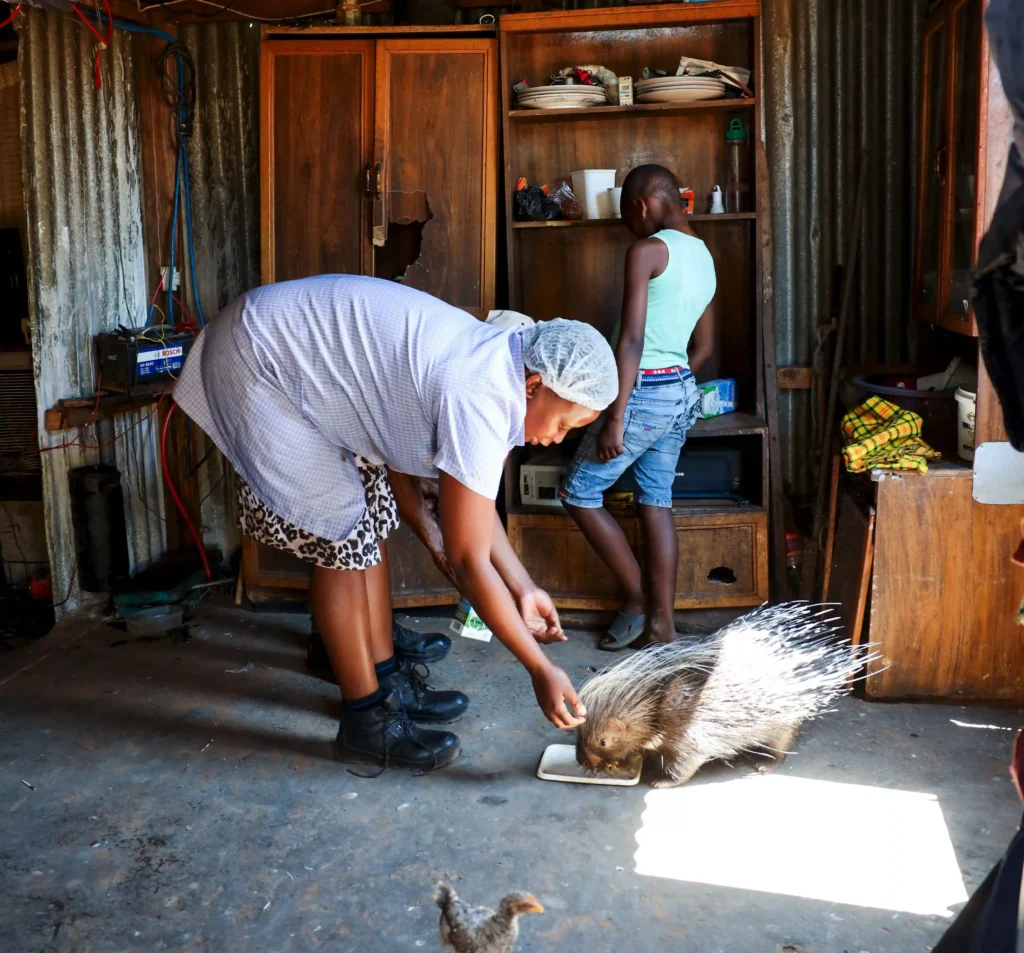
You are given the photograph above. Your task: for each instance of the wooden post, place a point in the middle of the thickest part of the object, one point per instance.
(777, 517)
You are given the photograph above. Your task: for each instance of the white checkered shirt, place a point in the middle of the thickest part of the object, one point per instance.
(293, 379)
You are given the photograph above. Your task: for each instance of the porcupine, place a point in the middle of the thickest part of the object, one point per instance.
(745, 689)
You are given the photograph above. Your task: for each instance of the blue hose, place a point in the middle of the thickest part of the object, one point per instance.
(174, 236)
(180, 173)
(191, 248)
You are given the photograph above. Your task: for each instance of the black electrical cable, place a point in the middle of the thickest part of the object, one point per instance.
(179, 90)
(198, 466)
(209, 16)
(14, 532)
(133, 446)
(71, 587)
(173, 6)
(210, 492)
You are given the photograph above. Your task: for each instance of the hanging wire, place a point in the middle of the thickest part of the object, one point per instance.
(179, 91)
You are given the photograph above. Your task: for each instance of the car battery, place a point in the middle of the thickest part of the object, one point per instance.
(141, 362)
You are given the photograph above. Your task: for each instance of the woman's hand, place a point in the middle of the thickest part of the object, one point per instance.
(541, 616)
(609, 443)
(553, 689)
(470, 528)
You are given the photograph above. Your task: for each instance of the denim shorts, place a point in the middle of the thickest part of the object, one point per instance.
(660, 412)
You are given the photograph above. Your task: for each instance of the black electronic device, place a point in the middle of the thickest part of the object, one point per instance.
(707, 470)
(701, 472)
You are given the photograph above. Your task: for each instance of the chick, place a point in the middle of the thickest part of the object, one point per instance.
(466, 929)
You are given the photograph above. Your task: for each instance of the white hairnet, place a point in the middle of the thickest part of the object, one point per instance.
(574, 360)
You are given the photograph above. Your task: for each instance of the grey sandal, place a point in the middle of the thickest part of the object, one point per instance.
(625, 630)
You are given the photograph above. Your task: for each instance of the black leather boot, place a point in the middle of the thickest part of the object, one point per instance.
(385, 734)
(420, 702)
(414, 646)
(419, 646)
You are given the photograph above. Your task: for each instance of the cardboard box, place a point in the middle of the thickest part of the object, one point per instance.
(468, 624)
(717, 397)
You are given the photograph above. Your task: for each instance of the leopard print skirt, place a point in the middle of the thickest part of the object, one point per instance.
(359, 550)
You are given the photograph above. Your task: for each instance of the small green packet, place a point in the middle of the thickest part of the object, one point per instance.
(468, 624)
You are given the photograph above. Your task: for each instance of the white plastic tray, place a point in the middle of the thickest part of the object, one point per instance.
(558, 763)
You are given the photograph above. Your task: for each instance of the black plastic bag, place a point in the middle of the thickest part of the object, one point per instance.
(533, 205)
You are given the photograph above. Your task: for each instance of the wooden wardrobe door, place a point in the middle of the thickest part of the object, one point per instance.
(437, 139)
(316, 148)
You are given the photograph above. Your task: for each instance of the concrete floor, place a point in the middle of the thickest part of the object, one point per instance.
(178, 806)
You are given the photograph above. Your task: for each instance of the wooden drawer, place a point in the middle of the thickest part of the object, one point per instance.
(560, 560)
(723, 558)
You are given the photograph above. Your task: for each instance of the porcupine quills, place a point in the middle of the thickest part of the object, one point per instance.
(746, 689)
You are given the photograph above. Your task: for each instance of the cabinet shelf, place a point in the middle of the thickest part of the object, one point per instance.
(598, 222)
(619, 112)
(579, 273)
(736, 424)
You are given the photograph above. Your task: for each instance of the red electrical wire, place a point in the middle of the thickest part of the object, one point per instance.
(10, 19)
(108, 443)
(177, 499)
(104, 42)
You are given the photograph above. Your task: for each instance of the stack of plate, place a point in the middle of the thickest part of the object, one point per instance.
(562, 97)
(679, 89)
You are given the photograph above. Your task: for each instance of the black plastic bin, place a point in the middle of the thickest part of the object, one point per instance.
(101, 538)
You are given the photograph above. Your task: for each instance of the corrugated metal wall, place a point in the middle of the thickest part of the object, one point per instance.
(841, 76)
(86, 261)
(225, 161)
(81, 171)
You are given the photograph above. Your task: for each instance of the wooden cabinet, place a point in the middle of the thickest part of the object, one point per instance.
(951, 213)
(379, 157)
(944, 594)
(436, 144)
(723, 557)
(316, 145)
(575, 269)
(965, 134)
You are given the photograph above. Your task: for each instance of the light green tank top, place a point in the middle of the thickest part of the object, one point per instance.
(676, 299)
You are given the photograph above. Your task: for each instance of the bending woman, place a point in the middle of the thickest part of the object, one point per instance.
(320, 392)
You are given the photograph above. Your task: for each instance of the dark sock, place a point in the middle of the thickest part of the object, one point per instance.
(361, 704)
(386, 667)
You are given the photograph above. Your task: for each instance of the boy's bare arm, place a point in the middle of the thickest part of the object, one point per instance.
(644, 260)
(703, 341)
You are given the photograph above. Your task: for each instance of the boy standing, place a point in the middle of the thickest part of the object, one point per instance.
(669, 286)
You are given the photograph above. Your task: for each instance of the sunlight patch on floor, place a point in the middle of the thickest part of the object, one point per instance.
(822, 840)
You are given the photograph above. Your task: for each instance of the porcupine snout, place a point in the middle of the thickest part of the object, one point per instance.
(582, 758)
